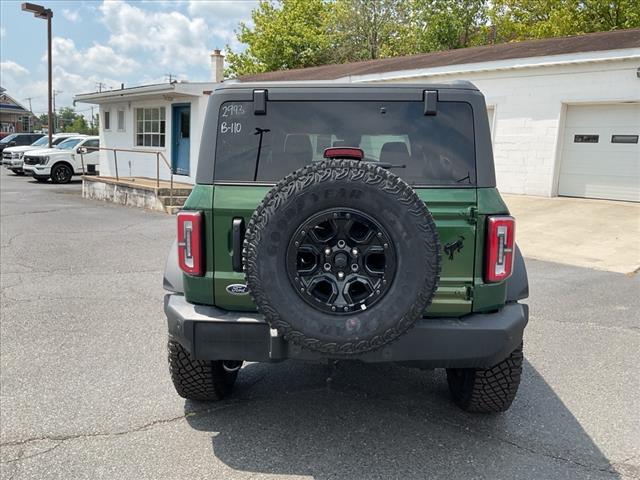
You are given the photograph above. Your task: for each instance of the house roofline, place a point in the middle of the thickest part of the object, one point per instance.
(501, 65)
(176, 88)
(3, 91)
(577, 45)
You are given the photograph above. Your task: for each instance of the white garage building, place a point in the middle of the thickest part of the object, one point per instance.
(565, 112)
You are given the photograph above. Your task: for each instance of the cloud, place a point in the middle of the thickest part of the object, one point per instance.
(174, 40)
(100, 60)
(67, 83)
(71, 15)
(12, 69)
(224, 17)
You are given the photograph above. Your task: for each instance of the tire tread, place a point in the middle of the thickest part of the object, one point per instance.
(198, 379)
(488, 390)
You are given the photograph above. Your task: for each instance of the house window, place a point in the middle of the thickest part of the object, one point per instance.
(107, 120)
(121, 120)
(150, 127)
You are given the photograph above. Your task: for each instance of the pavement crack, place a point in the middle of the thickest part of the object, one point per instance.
(29, 212)
(60, 439)
(21, 457)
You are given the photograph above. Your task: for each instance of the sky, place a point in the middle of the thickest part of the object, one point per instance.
(112, 42)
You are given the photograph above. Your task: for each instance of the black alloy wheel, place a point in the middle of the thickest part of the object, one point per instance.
(61, 174)
(341, 261)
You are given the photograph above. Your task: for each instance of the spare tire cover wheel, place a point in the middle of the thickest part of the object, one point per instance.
(342, 257)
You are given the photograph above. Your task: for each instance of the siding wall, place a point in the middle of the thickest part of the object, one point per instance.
(144, 165)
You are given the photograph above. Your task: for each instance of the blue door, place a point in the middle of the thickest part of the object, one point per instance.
(181, 125)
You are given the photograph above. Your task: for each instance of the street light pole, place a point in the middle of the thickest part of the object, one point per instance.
(40, 12)
(49, 79)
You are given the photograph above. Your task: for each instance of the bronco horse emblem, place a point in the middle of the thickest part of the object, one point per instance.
(454, 247)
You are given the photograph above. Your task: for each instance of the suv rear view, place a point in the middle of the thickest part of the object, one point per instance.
(347, 222)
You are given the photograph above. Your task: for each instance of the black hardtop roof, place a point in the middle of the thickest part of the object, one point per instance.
(457, 85)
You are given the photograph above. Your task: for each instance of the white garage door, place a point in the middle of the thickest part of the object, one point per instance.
(601, 152)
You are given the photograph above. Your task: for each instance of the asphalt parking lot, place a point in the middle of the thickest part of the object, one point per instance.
(85, 392)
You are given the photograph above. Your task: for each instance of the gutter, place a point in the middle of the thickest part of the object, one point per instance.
(115, 94)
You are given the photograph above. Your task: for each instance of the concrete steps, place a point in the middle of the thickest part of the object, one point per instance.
(172, 204)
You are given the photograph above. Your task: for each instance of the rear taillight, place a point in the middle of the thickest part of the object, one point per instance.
(500, 245)
(190, 248)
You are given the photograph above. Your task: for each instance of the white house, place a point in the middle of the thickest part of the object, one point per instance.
(565, 112)
(163, 120)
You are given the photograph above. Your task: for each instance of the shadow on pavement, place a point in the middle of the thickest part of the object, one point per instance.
(49, 182)
(387, 421)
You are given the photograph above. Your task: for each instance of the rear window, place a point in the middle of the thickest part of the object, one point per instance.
(433, 150)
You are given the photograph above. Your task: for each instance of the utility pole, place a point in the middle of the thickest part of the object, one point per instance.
(56, 92)
(28, 99)
(100, 86)
(170, 76)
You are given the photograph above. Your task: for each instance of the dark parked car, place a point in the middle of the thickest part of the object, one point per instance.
(17, 139)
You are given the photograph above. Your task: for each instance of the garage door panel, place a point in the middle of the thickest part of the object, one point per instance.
(604, 115)
(626, 164)
(590, 187)
(600, 169)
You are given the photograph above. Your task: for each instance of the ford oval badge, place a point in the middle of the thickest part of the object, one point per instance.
(237, 289)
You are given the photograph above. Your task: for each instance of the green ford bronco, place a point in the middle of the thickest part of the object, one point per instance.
(334, 222)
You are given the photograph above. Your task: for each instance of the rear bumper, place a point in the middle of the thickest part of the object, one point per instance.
(472, 341)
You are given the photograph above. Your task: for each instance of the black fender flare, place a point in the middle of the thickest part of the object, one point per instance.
(518, 282)
(173, 280)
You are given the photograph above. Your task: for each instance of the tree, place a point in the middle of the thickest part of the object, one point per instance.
(66, 117)
(525, 19)
(366, 30)
(304, 33)
(289, 34)
(432, 25)
(95, 124)
(79, 125)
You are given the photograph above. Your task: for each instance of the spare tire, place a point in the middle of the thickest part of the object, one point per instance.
(342, 257)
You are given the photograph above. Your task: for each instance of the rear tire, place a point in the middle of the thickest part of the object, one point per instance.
(19, 173)
(488, 390)
(198, 379)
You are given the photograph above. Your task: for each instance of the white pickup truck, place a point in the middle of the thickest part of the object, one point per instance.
(12, 156)
(60, 164)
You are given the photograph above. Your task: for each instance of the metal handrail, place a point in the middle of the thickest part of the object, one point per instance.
(158, 155)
